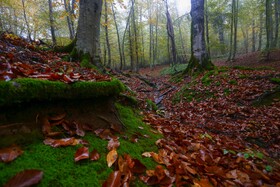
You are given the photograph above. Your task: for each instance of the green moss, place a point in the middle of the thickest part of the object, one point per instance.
(58, 163)
(151, 105)
(132, 125)
(173, 69)
(26, 89)
(233, 82)
(86, 61)
(275, 80)
(66, 49)
(189, 95)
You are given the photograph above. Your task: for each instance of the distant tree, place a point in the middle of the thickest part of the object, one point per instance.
(52, 22)
(269, 27)
(26, 21)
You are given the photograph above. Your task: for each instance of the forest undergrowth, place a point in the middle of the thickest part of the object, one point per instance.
(218, 128)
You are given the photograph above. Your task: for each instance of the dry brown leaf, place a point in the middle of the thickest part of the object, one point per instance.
(112, 157)
(25, 178)
(10, 153)
(81, 154)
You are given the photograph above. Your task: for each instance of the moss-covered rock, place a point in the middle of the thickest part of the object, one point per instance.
(27, 89)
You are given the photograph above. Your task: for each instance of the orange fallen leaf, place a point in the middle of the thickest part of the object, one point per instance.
(112, 157)
(10, 153)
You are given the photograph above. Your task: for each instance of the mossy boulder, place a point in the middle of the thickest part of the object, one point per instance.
(27, 89)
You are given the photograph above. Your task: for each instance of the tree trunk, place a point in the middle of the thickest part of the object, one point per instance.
(52, 22)
(231, 30)
(245, 38)
(261, 32)
(269, 27)
(207, 30)
(235, 29)
(253, 37)
(107, 35)
(135, 37)
(170, 32)
(151, 33)
(130, 49)
(199, 58)
(118, 36)
(68, 17)
(88, 32)
(276, 12)
(26, 22)
(127, 24)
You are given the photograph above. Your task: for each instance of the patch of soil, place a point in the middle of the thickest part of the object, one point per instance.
(26, 120)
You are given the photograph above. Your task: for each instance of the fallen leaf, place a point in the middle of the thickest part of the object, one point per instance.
(147, 154)
(113, 144)
(114, 180)
(112, 157)
(81, 154)
(25, 178)
(64, 142)
(10, 153)
(94, 155)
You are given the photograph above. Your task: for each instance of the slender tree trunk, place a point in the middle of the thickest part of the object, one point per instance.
(125, 30)
(269, 27)
(231, 30)
(52, 22)
(156, 43)
(135, 36)
(107, 34)
(26, 22)
(207, 29)
(118, 36)
(130, 49)
(245, 38)
(261, 32)
(253, 37)
(68, 17)
(276, 12)
(235, 29)
(151, 60)
(142, 39)
(170, 32)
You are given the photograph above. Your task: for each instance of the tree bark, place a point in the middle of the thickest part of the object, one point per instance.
(261, 32)
(107, 34)
(170, 32)
(253, 37)
(235, 29)
(276, 12)
(26, 22)
(52, 22)
(118, 36)
(125, 30)
(199, 59)
(135, 37)
(69, 19)
(269, 27)
(88, 32)
(207, 29)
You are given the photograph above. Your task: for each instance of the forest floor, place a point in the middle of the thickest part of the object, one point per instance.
(219, 128)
